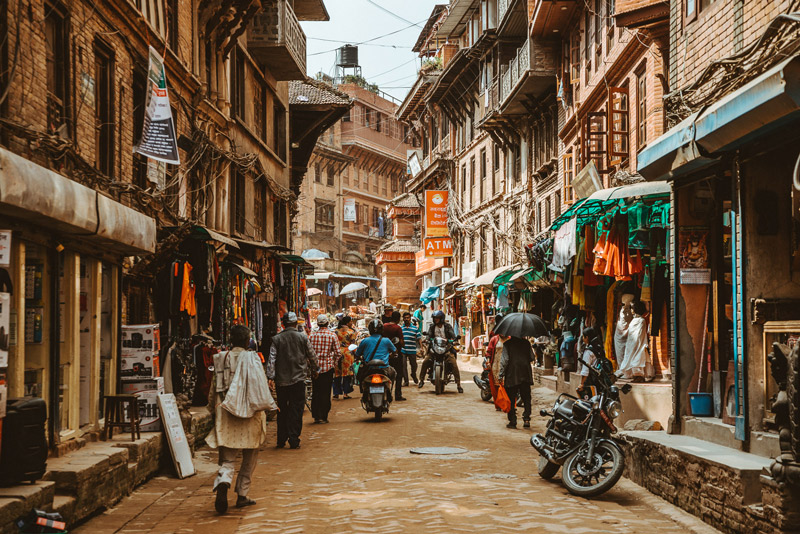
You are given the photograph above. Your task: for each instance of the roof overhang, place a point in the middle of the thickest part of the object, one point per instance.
(311, 10)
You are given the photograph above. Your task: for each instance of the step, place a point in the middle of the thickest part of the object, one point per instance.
(17, 501)
(64, 505)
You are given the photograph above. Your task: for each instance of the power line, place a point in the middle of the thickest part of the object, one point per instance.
(393, 69)
(369, 40)
(395, 15)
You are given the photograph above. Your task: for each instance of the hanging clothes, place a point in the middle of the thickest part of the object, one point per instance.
(188, 302)
(578, 289)
(614, 258)
(564, 246)
(636, 362)
(609, 344)
(502, 298)
(638, 225)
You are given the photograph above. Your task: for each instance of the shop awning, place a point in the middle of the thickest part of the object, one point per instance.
(519, 274)
(208, 233)
(338, 276)
(261, 244)
(762, 105)
(505, 277)
(450, 282)
(429, 294)
(245, 270)
(33, 193)
(601, 201)
(487, 279)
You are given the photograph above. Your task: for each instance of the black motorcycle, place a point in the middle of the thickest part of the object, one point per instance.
(441, 374)
(376, 389)
(578, 437)
(482, 381)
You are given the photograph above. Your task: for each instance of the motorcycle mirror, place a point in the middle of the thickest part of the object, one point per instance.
(543, 413)
(627, 388)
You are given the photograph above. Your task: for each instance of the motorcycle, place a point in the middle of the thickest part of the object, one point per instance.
(482, 381)
(441, 375)
(376, 387)
(578, 438)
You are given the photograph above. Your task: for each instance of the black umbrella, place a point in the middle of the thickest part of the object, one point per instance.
(521, 325)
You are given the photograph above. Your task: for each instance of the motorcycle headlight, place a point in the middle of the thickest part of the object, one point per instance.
(439, 350)
(614, 409)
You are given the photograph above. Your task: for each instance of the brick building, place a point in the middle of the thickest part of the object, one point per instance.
(93, 222)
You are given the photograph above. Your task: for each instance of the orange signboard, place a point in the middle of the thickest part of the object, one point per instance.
(425, 264)
(436, 213)
(438, 247)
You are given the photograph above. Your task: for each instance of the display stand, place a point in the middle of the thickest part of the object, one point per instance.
(178, 446)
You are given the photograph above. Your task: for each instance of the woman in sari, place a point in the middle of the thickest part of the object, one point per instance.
(343, 375)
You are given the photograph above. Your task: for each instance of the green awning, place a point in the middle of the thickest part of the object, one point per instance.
(505, 278)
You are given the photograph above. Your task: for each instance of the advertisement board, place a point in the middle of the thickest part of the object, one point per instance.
(438, 247)
(436, 213)
(349, 210)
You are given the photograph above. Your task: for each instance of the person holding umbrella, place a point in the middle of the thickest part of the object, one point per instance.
(516, 374)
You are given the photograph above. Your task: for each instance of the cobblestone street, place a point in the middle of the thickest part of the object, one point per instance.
(356, 475)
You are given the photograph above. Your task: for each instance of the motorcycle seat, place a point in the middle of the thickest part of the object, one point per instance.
(564, 409)
(376, 363)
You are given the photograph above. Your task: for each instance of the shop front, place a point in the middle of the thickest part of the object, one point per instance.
(734, 252)
(60, 291)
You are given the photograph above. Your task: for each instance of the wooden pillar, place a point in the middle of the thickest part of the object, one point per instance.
(95, 274)
(16, 354)
(71, 346)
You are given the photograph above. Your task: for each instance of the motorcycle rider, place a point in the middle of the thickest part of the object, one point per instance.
(376, 347)
(443, 329)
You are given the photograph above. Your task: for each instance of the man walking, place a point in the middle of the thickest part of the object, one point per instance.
(516, 376)
(232, 434)
(393, 331)
(418, 316)
(411, 337)
(326, 347)
(291, 359)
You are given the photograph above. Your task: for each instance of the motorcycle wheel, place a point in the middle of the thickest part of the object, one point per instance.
(547, 469)
(486, 395)
(378, 415)
(590, 481)
(439, 385)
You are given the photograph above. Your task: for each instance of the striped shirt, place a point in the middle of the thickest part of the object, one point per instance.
(410, 337)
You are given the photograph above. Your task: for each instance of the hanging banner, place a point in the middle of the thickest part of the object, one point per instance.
(5, 327)
(158, 132)
(349, 210)
(5, 248)
(438, 247)
(436, 213)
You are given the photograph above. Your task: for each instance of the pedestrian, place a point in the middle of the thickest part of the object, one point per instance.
(373, 308)
(394, 332)
(493, 349)
(388, 309)
(343, 376)
(418, 316)
(411, 342)
(376, 347)
(233, 434)
(291, 359)
(516, 376)
(326, 346)
(443, 329)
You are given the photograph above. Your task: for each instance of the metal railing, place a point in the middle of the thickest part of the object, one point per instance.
(277, 26)
(517, 68)
(502, 8)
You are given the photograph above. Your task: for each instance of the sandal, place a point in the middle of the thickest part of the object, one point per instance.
(241, 502)
(347, 397)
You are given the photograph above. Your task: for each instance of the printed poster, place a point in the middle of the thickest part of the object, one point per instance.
(693, 260)
(349, 210)
(158, 140)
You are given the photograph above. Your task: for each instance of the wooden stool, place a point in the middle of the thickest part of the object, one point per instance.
(114, 415)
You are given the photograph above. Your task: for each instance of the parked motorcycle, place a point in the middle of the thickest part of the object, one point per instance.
(441, 374)
(578, 437)
(482, 381)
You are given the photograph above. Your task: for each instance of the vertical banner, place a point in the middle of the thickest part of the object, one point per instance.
(158, 141)
(5, 248)
(436, 213)
(5, 327)
(349, 210)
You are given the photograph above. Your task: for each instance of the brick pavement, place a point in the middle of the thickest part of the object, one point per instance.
(356, 475)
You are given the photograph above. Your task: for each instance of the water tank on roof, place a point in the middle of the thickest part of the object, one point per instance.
(348, 56)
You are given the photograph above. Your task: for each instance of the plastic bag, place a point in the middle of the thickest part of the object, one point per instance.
(249, 391)
(503, 402)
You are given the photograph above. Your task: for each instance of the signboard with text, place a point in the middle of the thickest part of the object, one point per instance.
(158, 141)
(349, 210)
(438, 247)
(436, 213)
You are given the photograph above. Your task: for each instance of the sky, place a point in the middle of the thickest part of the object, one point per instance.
(387, 61)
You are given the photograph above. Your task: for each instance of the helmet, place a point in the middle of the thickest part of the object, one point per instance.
(375, 327)
(322, 319)
(438, 314)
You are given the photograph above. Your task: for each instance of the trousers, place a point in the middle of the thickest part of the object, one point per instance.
(321, 395)
(227, 459)
(291, 401)
(343, 385)
(412, 361)
(398, 364)
(450, 362)
(524, 392)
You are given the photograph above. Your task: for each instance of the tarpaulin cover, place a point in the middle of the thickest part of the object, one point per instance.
(429, 294)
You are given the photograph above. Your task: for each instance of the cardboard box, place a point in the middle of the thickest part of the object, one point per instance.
(147, 392)
(141, 337)
(138, 365)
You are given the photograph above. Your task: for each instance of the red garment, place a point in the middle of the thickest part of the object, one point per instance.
(614, 258)
(490, 350)
(590, 279)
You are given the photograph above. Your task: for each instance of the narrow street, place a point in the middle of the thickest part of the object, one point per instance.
(357, 475)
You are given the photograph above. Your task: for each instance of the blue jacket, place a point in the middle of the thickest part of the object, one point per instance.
(367, 346)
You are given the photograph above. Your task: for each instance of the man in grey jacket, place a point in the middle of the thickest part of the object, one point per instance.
(291, 359)
(516, 376)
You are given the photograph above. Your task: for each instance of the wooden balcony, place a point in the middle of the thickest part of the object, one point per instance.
(512, 18)
(552, 17)
(276, 40)
(641, 13)
(529, 74)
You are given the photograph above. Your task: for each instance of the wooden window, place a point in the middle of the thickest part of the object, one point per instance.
(317, 173)
(375, 184)
(58, 70)
(346, 117)
(472, 178)
(329, 172)
(610, 25)
(641, 108)
(557, 203)
(619, 109)
(104, 108)
(367, 116)
(445, 127)
(395, 181)
(279, 226)
(568, 162)
(238, 84)
(547, 213)
(260, 109)
(207, 60)
(595, 139)
(587, 41)
(539, 221)
(484, 250)
(434, 134)
(575, 58)
(384, 185)
(691, 10)
(260, 210)
(346, 176)
(464, 181)
(375, 215)
(377, 121)
(172, 24)
(238, 194)
(279, 129)
(366, 180)
(324, 221)
(496, 162)
(139, 92)
(356, 172)
(598, 32)
(483, 173)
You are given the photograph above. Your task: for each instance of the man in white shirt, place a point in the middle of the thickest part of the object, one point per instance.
(373, 308)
